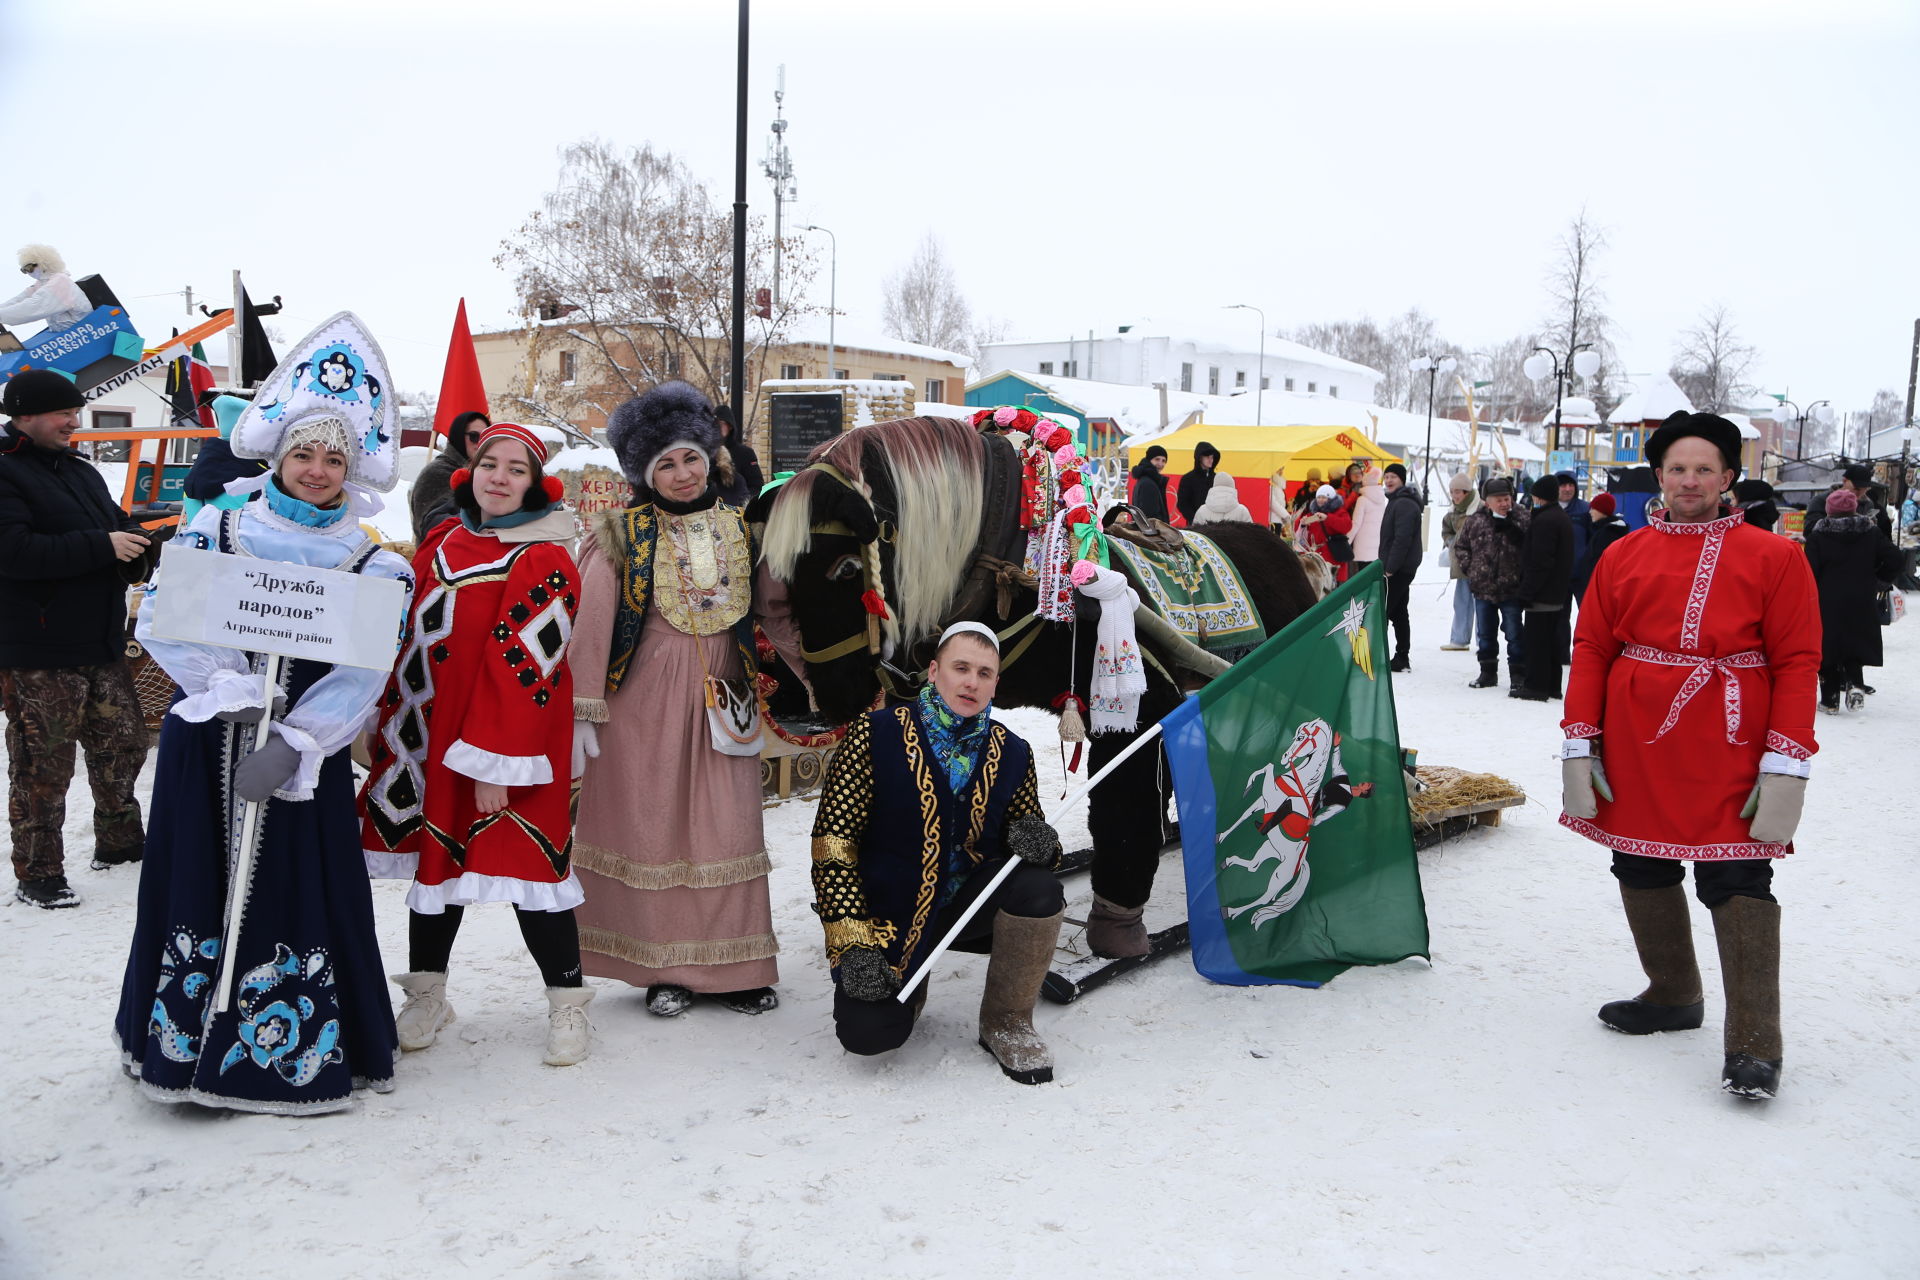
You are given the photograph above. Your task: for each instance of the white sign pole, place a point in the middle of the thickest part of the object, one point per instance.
(242, 876)
(1006, 868)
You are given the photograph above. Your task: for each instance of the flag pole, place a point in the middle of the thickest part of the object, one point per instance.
(1006, 868)
(241, 880)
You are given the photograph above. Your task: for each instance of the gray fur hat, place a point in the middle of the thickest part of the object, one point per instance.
(674, 415)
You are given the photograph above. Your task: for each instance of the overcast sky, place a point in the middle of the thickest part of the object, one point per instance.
(1084, 164)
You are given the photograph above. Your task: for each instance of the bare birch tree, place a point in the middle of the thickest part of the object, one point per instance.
(923, 302)
(627, 267)
(1711, 363)
(1577, 313)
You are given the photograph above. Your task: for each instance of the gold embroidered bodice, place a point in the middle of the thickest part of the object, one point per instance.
(702, 571)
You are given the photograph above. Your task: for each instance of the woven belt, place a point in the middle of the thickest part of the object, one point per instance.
(1704, 669)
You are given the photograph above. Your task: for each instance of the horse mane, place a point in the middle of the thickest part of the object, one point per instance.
(934, 467)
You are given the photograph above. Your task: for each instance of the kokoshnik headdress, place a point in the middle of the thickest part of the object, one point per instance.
(331, 392)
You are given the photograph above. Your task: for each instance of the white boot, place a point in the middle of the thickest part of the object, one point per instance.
(568, 1031)
(426, 1009)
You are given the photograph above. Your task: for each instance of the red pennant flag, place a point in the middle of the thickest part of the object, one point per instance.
(460, 386)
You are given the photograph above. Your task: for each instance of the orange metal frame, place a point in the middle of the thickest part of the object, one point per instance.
(135, 438)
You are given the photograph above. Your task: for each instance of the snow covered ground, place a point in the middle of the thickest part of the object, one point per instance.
(1468, 1118)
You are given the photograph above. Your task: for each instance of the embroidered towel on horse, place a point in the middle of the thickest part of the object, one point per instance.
(1197, 590)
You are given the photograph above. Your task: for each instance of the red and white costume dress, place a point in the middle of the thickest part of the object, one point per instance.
(482, 693)
(1696, 663)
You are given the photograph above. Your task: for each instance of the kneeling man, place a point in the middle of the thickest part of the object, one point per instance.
(923, 804)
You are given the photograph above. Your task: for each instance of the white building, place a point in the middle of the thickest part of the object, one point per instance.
(1215, 359)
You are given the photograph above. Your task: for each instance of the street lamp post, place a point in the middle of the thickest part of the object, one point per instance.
(1433, 367)
(1815, 411)
(833, 283)
(1260, 375)
(1583, 360)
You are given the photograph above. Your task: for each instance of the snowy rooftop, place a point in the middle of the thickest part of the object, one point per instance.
(1222, 334)
(853, 337)
(1137, 409)
(1654, 396)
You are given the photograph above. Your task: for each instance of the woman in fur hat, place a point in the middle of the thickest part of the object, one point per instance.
(309, 1020)
(470, 790)
(668, 843)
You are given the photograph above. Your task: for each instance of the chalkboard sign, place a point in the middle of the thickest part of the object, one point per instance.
(801, 421)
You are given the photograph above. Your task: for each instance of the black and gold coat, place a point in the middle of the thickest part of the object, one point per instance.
(886, 820)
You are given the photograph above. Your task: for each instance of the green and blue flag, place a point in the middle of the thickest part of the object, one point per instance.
(1293, 807)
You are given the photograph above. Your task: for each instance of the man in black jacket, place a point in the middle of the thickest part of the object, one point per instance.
(1195, 484)
(67, 556)
(1546, 586)
(1400, 555)
(1150, 485)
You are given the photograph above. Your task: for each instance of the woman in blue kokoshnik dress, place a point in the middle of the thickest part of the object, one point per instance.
(309, 1019)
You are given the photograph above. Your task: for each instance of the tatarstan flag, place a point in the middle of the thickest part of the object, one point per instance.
(1293, 807)
(187, 377)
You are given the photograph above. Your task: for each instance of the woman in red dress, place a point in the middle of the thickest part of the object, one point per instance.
(1695, 663)
(471, 786)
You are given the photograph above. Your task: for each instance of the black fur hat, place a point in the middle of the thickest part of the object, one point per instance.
(1711, 427)
(674, 415)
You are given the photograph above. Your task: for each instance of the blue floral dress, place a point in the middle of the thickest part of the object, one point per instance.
(310, 1020)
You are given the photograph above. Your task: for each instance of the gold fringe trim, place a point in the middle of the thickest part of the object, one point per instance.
(592, 710)
(670, 955)
(671, 875)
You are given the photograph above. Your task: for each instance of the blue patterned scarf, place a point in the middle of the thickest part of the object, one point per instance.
(956, 739)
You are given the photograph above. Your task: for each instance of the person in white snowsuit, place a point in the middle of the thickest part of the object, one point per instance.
(52, 297)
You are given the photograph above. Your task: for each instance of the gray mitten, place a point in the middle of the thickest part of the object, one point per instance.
(1033, 839)
(866, 975)
(265, 771)
(1581, 779)
(1774, 805)
(251, 715)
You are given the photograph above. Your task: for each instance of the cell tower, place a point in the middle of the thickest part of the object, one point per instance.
(778, 166)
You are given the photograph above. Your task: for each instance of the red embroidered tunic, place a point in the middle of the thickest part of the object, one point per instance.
(1697, 652)
(482, 692)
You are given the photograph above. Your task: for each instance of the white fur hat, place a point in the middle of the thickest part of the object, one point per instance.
(333, 389)
(44, 256)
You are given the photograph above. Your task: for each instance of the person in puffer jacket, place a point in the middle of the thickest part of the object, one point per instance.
(1488, 551)
(1368, 509)
(1222, 503)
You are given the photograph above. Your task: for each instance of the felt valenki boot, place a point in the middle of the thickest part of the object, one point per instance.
(1663, 935)
(426, 1009)
(1748, 931)
(1022, 951)
(568, 1032)
(1115, 932)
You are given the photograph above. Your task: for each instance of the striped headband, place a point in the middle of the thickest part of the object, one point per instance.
(536, 447)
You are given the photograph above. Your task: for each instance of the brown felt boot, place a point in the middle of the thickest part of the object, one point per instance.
(1115, 932)
(1022, 952)
(1663, 935)
(1748, 931)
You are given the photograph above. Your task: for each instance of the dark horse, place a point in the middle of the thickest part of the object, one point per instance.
(924, 512)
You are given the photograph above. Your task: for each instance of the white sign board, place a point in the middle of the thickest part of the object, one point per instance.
(265, 606)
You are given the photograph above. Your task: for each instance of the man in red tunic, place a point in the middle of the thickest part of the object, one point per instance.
(1696, 664)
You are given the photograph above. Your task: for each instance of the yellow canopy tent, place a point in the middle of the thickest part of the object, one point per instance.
(1254, 455)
